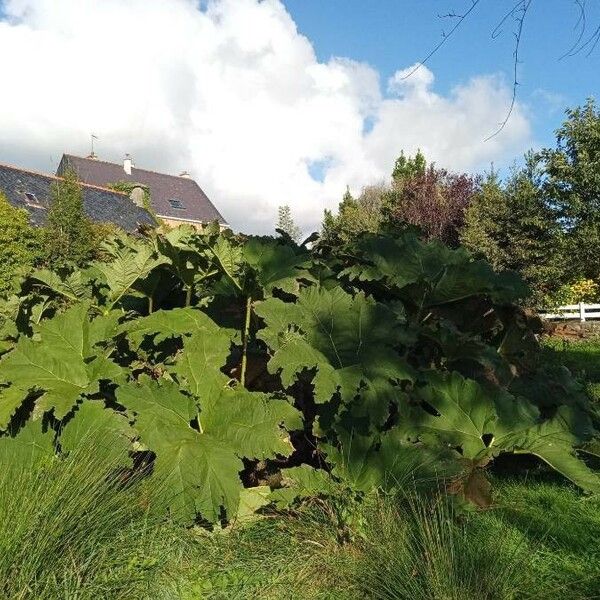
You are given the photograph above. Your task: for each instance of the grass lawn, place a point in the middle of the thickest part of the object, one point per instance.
(541, 540)
(581, 357)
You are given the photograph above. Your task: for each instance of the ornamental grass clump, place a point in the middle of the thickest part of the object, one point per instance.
(419, 549)
(69, 528)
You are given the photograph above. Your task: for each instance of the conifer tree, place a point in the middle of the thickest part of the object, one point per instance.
(68, 232)
(285, 222)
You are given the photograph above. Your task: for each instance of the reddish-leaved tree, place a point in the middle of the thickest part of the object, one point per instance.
(434, 200)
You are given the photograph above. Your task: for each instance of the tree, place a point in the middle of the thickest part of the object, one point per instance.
(355, 216)
(511, 226)
(407, 168)
(68, 235)
(20, 245)
(432, 199)
(285, 222)
(570, 185)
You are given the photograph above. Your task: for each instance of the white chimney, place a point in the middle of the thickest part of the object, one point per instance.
(185, 174)
(127, 164)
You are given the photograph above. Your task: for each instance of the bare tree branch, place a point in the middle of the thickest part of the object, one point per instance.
(581, 22)
(517, 6)
(445, 37)
(519, 13)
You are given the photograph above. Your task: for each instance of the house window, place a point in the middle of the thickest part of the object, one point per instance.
(177, 204)
(31, 200)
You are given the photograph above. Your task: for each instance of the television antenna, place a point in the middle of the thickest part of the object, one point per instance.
(92, 154)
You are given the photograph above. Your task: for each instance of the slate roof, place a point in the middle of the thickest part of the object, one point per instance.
(31, 191)
(172, 197)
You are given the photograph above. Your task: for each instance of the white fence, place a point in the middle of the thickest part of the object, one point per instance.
(582, 312)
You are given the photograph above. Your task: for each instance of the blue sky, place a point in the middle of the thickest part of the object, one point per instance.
(392, 34)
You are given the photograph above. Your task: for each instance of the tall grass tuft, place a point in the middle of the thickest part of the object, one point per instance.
(417, 549)
(69, 529)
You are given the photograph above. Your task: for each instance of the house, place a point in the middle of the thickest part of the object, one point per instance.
(173, 199)
(32, 191)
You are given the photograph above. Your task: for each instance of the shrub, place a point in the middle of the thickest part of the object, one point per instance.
(20, 245)
(243, 371)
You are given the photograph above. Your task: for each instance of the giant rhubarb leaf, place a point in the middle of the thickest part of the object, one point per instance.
(252, 424)
(555, 441)
(198, 453)
(105, 432)
(469, 416)
(204, 354)
(349, 340)
(131, 265)
(31, 444)
(485, 421)
(389, 460)
(197, 472)
(277, 265)
(443, 275)
(64, 363)
(165, 324)
(398, 262)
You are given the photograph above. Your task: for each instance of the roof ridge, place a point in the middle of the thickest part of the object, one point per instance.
(108, 162)
(56, 177)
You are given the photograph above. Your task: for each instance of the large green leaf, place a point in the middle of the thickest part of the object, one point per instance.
(228, 256)
(197, 472)
(276, 265)
(349, 340)
(555, 440)
(11, 398)
(254, 425)
(74, 286)
(441, 275)
(469, 416)
(64, 363)
(398, 262)
(165, 324)
(389, 460)
(98, 430)
(485, 421)
(198, 367)
(32, 444)
(128, 269)
(184, 260)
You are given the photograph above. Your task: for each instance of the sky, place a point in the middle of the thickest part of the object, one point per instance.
(272, 102)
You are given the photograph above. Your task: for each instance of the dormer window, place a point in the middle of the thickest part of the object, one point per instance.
(176, 204)
(31, 200)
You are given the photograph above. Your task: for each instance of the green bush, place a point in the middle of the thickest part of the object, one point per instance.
(20, 245)
(239, 367)
(68, 234)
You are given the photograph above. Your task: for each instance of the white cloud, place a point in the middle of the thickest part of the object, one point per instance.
(234, 94)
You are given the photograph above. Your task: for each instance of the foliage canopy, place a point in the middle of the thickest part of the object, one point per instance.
(244, 370)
